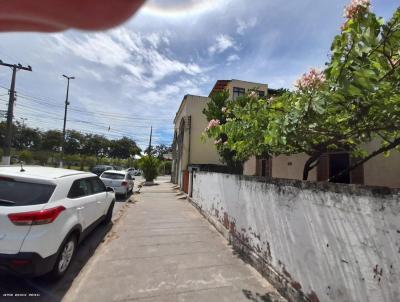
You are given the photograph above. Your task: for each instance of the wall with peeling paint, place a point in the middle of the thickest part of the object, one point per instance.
(331, 242)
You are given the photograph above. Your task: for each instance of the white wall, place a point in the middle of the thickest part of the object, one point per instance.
(338, 242)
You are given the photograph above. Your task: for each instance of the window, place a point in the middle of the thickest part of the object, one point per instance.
(97, 185)
(112, 175)
(16, 193)
(128, 176)
(237, 92)
(261, 93)
(80, 188)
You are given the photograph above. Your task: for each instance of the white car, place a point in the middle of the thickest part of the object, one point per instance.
(120, 181)
(44, 214)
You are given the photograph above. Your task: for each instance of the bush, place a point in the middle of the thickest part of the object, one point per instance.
(72, 160)
(149, 166)
(26, 156)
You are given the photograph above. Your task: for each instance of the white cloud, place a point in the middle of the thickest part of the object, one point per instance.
(222, 43)
(243, 25)
(233, 58)
(121, 48)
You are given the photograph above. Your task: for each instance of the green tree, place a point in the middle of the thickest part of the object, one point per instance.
(26, 156)
(51, 140)
(150, 167)
(74, 142)
(124, 148)
(355, 100)
(216, 113)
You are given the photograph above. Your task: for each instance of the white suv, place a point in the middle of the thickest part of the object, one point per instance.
(45, 213)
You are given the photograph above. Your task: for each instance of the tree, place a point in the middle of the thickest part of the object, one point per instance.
(124, 148)
(355, 100)
(51, 140)
(74, 142)
(160, 150)
(26, 138)
(216, 114)
(149, 165)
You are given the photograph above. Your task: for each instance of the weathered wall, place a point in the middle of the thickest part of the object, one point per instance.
(331, 242)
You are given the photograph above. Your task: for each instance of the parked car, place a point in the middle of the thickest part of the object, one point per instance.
(99, 169)
(44, 214)
(121, 181)
(131, 171)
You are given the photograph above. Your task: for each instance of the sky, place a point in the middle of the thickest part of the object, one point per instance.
(135, 76)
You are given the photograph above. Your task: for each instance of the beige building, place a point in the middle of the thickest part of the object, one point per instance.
(190, 147)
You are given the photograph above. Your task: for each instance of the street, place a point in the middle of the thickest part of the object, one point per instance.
(162, 249)
(42, 289)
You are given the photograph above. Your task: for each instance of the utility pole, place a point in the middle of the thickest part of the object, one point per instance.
(6, 159)
(65, 120)
(151, 134)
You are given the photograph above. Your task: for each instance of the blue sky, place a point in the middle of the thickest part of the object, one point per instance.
(136, 75)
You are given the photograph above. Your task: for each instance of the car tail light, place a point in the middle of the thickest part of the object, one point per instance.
(124, 183)
(20, 262)
(36, 217)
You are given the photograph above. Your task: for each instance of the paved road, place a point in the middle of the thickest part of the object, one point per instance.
(41, 288)
(162, 249)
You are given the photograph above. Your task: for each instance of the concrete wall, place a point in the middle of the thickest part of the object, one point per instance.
(246, 85)
(250, 166)
(381, 170)
(201, 152)
(319, 241)
(291, 167)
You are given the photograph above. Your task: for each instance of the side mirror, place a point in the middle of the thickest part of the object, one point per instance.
(109, 189)
(133, 178)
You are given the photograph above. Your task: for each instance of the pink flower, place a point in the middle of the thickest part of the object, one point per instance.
(213, 123)
(311, 80)
(355, 7)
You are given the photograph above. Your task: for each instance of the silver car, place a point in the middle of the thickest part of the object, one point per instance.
(120, 181)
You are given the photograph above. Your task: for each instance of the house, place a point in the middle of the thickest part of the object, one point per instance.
(189, 149)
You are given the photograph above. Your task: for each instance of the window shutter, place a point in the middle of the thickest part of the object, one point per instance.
(323, 168)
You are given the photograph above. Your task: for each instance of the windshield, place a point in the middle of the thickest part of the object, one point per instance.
(113, 176)
(16, 193)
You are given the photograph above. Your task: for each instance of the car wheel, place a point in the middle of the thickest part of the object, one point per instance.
(64, 258)
(108, 217)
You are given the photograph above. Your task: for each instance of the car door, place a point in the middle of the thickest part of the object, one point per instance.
(100, 194)
(81, 193)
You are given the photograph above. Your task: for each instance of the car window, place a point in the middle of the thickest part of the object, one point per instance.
(80, 188)
(97, 185)
(128, 176)
(112, 175)
(16, 193)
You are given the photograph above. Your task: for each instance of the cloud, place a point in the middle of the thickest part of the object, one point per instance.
(242, 25)
(140, 57)
(222, 43)
(233, 58)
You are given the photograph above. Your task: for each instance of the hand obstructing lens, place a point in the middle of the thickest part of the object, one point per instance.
(58, 15)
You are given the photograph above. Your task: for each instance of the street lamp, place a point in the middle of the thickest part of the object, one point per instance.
(65, 119)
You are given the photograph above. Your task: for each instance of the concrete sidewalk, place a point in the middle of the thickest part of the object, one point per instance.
(162, 249)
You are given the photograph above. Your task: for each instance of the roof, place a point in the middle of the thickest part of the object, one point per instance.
(219, 85)
(183, 101)
(115, 172)
(39, 172)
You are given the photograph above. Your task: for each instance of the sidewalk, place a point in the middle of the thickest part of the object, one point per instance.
(162, 249)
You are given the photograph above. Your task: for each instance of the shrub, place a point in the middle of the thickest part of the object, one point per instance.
(26, 156)
(149, 166)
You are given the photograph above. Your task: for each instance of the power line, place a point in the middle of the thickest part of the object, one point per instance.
(10, 111)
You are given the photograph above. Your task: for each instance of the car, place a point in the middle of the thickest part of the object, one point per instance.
(44, 214)
(131, 171)
(121, 181)
(101, 168)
